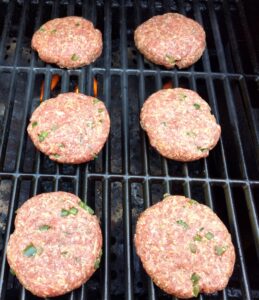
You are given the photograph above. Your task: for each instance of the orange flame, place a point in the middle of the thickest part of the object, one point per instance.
(76, 90)
(95, 87)
(54, 81)
(168, 85)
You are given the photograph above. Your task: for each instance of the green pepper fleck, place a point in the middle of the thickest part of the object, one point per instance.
(100, 110)
(12, 272)
(170, 59)
(183, 224)
(77, 24)
(202, 149)
(195, 290)
(56, 155)
(73, 211)
(53, 31)
(196, 105)
(74, 57)
(43, 135)
(95, 100)
(182, 97)
(191, 202)
(209, 235)
(42, 29)
(195, 278)
(30, 250)
(64, 252)
(201, 228)
(95, 155)
(97, 263)
(86, 207)
(34, 124)
(220, 250)
(64, 212)
(164, 123)
(191, 133)
(61, 145)
(44, 227)
(98, 260)
(193, 248)
(166, 195)
(197, 237)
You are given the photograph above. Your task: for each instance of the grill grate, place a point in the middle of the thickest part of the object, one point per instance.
(129, 175)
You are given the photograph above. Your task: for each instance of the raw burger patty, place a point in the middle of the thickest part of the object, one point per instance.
(71, 128)
(56, 245)
(184, 247)
(69, 42)
(171, 39)
(179, 124)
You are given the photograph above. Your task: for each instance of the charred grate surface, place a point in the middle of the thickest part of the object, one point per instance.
(129, 175)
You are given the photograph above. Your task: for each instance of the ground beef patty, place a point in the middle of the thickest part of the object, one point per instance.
(71, 128)
(69, 42)
(179, 124)
(184, 247)
(56, 245)
(171, 39)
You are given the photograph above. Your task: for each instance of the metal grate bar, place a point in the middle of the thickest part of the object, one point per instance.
(7, 118)
(250, 111)
(240, 251)
(232, 38)
(10, 9)
(135, 178)
(126, 200)
(247, 35)
(205, 56)
(31, 79)
(9, 225)
(132, 71)
(106, 286)
(183, 12)
(151, 288)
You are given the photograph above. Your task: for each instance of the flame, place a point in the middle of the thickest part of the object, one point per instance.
(95, 87)
(168, 85)
(54, 81)
(76, 90)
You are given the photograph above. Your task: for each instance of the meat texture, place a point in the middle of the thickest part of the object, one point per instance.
(184, 247)
(56, 245)
(71, 128)
(171, 39)
(69, 42)
(179, 124)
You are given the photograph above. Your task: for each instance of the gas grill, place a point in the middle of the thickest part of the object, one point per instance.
(129, 175)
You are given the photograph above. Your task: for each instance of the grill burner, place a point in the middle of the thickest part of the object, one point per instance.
(129, 175)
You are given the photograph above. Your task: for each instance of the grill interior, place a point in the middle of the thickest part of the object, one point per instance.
(129, 175)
